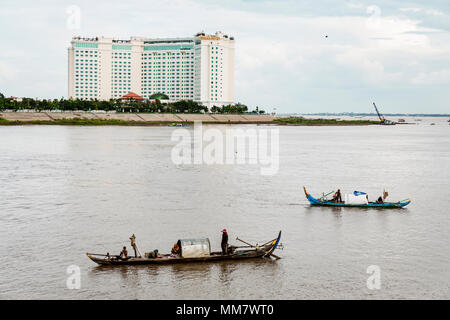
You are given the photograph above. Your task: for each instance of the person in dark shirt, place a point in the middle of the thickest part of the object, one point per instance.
(224, 243)
(337, 197)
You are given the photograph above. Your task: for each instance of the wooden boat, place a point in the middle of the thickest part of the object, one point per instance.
(386, 205)
(194, 250)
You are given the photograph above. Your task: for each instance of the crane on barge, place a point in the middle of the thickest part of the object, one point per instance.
(383, 120)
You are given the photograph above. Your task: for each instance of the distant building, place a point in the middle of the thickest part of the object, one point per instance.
(200, 68)
(133, 97)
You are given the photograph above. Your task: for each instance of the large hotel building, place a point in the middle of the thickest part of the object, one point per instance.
(200, 68)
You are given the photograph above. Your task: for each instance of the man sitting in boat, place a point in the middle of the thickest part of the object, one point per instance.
(224, 243)
(337, 197)
(123, 254)
(176, 250)
(380, 200)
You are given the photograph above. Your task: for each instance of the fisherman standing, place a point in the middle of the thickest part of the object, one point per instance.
(133, 244)
(224, 243)
(337, 197)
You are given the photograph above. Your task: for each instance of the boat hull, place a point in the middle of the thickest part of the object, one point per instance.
(387, 205)
(173, 260)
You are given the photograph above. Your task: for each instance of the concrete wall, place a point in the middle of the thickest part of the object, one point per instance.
(138, 117)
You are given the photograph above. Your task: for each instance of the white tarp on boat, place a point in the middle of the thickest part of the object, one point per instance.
(352, 199)
(195, 248)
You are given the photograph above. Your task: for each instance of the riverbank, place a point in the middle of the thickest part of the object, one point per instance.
(126, 119)
(159, 119)
(299, 121)
(113, 122)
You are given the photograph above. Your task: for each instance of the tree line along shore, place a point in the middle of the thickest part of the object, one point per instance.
(28, 111)
(120, 105)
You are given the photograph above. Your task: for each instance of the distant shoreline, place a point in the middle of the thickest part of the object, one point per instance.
(323, 122)
(160, 119)
(350, 114)
(115, 122)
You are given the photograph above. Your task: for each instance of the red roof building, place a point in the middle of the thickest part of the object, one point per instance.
(132, 96)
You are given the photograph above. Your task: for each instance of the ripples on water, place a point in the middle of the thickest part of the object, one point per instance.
(68, 190)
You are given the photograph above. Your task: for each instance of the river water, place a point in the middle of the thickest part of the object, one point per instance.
(65, 191)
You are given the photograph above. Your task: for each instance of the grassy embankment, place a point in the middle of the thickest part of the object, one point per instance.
(117, 122)
(322, 122)
(109, 122)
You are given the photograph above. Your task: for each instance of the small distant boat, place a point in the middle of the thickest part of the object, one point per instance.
(194, 250)
(328, 203)
(432, 124)
(174, 124)
(401, 120)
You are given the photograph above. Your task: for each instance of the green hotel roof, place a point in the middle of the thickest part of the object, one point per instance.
(159, 96)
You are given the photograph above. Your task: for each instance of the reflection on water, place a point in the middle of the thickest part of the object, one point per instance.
(70, 190)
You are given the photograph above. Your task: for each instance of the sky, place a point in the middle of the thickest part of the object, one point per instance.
(296, 56)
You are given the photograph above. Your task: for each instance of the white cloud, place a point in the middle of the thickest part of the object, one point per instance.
(7, 73)
(354, 5)
(434, 77)
(434, 12)
(410, 9)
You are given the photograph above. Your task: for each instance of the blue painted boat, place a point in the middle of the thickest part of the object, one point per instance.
(386, 205)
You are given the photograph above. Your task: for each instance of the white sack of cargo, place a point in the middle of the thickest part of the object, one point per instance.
(195, 248)
(352, 199)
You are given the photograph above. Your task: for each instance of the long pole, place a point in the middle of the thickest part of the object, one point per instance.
(326, 195)
(102, 255)
(237, 238)
(245, 242)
